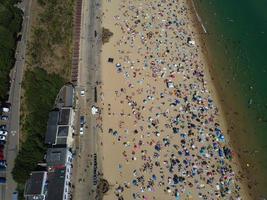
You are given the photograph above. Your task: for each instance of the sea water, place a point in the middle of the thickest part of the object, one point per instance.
(236, 41)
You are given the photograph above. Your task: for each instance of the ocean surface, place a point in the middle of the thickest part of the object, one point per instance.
(236, 41)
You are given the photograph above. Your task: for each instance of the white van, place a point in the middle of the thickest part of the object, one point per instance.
(5, 109)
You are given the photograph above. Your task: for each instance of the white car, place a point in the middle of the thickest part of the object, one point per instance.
(81, 131)
(2, 137)
(82, 92)
(5, 109)
(3, 133)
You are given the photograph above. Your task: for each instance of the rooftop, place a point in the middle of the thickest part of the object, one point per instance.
(56, 182)
(34, 188)
(65, 96)
(62, 141)
(50, 136)
(62, 131)
(56, 156)
(58, 126)
(64, 116)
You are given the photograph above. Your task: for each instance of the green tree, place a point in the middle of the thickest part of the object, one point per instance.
(10, 25)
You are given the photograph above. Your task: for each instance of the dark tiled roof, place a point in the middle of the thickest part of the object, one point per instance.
(64, 116)
(56, 181)
(35, 183)
(56, 156)
(62, 131)
(51, 132)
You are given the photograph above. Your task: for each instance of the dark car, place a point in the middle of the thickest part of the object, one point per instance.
(3, 127)
(4, 117)
(82, 120)
(2, 180)
(3, 163)
(2, 142)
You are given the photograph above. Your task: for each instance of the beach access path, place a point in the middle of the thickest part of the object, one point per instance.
(84, 186)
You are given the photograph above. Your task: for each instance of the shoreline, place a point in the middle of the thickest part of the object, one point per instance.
(197, 15)
(211, 88)
(229, 117)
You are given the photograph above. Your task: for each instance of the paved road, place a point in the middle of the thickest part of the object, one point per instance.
(14, 98)
(88, 76)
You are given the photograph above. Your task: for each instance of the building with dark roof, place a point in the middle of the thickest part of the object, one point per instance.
(36, 186)
(60, 127)
(58, 157)
(55, 183)
(50, 136)
(58, 183)
(64, 116)
(59, 172)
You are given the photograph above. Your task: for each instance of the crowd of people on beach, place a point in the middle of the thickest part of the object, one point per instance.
(176, 137)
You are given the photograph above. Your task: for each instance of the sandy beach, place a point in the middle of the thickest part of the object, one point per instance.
(162, 131)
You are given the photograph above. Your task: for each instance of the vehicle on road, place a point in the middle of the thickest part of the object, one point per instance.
(5, 109)
(15, 196)
(3, 133)
(3, 163)
(4, 117)
(82, 120)
(2, 137)
(82, 92)
(3, 127)
(2, 180)
(81, 131)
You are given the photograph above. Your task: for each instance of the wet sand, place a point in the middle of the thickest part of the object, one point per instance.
(162, 131)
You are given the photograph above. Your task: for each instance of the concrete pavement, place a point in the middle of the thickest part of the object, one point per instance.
(12, 145)
(88, 143)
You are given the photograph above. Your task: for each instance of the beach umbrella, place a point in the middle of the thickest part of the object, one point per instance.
(134, 182)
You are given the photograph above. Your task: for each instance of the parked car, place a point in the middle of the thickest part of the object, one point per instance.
(2, 137)
(3, 163)
(5, 109)
(82, 120)
(3, 133)
(81, 131)
(2, 142)
(3, 127)
(4, 117)
(15, 196)
(82, 92)
(2, 180)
